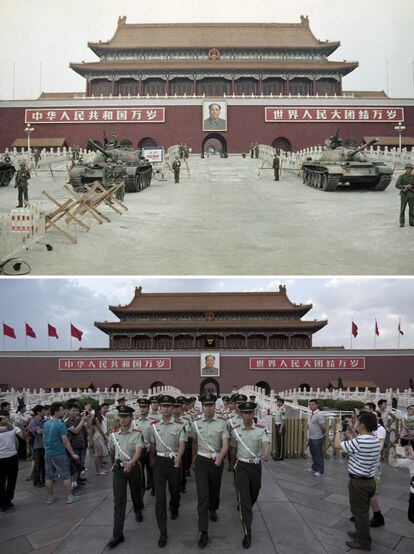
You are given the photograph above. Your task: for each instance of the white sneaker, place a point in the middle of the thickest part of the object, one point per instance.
(317, 474)
(310, 470)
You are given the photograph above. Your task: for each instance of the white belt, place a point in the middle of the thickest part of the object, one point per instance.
(250, 460)
(167, 454)
(208, 455)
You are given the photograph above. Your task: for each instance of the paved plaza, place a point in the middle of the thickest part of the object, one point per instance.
(223, 220)
(296, 512)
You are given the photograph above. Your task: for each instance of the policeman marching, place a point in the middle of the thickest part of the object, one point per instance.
(22, 177)
(125, 448)
(234, 418)
(252, 444)
(167, 445)
(142, 423)
(180, 415)
(210, 445)
(176, 166)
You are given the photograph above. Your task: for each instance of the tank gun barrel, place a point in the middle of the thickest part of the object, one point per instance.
(93, 143)
(364, 146)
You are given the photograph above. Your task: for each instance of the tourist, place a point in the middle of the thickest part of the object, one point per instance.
(253, 444)
(36, 430)
(407, 427)
(100, 439)
(55, 436)
(377, 519)
(5, 407)
(316, 437)
(364, 452)
(408, 463)
(125, 447)
(388, 418)
(22, 421)
(9, 464)
(76, 434)
(405, 183)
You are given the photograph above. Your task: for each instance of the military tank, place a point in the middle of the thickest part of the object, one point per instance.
(139, 169)
(345, 166)
(7, 172)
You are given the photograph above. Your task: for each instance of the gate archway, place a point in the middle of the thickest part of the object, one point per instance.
(217, 142)
(282, 143)
(265, 386)
(209, 385)
(147, 142)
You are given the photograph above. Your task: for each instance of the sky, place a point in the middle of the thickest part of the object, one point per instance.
(83, 301)
(54, 33)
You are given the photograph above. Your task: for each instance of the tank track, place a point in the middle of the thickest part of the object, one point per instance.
(383, 182)
(6, 175)
(320, 180)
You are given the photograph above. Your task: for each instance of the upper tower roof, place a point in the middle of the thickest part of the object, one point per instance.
(213, 35)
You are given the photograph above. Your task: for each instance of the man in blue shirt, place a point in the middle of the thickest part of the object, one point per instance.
(36, 431)
(56, 443)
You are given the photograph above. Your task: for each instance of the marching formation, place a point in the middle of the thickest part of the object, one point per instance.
(168, 439)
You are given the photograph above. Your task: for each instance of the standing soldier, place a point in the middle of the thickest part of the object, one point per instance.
(108, 176)
(210, 445)
(280, 423)
(251, 440)
(251, 150)
(405, 183)
(125, 448)
(276, 167)
(176, 166)
(119, 174)
(256, 150)
(142, 423)
(22, 178)
(37, 156)
(167, 445)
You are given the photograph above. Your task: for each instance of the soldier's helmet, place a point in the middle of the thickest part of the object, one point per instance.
(119, 162)
(408, 166)
(109, 160)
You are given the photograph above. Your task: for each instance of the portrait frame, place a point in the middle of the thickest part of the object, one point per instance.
(207, 371)
(207, 125)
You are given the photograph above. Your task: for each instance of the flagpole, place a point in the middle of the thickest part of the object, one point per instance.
(25, 332)
(399, 333)
(4, 338)
(375, 335)
(71, 336)
(351, 333)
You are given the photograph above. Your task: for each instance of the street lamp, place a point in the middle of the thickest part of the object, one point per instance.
(400, 128)
(28, 130)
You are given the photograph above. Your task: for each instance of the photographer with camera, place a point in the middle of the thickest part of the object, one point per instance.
(403, 456)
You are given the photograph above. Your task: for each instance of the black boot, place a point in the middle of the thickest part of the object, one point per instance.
(115, 541)
(247, 541)
(213, 515)
(377, 520)
(162, 541)
(202, 543)
(138, 516)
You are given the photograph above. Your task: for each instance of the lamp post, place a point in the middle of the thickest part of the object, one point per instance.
(400, 128)
(28, 130)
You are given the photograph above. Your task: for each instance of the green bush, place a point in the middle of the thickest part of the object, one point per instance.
(330, 404)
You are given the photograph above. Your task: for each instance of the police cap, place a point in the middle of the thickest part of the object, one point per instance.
(125, 410)
(208, 398)
(143, 402)
(166, 400)
(121, 398)
(225, 398)
(247, 407)
(408, 166)
(182, 400)
(238, 398)
(178, 401)
(153, 399)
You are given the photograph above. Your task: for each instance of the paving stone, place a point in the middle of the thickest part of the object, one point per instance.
(18, 545)
(24, 527)
(311, 514)
(42, 538)
(405, 545)
(316, 503)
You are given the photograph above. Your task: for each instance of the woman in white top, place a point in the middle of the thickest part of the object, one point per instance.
(22, 421)
(100, 440)
(9, 464)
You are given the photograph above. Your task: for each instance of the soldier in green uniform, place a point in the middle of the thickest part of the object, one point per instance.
(210, 445)
(125, 449)
(176, 166)
(142, 423)
(108, 174)
(234, 418)
(37, 156)
(167, 445)
(252, 443)
(276, 167)
(22, 177)
(280, 428)
(119, 173)
(154, 412)
(180, 416)
(405, 183)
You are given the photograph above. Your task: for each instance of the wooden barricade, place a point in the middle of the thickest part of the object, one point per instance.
(63, 210)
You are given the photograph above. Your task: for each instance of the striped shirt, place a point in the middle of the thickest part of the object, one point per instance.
(364, 452)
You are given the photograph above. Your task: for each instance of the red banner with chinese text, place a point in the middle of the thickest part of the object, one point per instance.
(307, 363)
(95, 115)
(124, 364)
(331, 114)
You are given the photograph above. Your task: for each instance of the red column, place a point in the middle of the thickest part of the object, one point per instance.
(88, 86)
(314, 87)
(232, 85)
(267, 341)
(224, 341)
(260, 85)
(338, 87)
(167, 86)
(289, 341)
(113, 87)
(140, 87)
(130, 342)
(286, 87)
(194, 85)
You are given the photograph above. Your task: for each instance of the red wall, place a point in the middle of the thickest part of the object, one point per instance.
(183, 124)
(37, 370)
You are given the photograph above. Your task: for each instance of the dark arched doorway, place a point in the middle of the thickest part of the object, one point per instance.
(216, 141)
(147, 142)
(156, 385)
(115, 386)
(282, 143)
(304, 386)
(209, 385)
(265, 386)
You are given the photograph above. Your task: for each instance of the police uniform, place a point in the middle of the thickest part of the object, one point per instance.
(276, 167)
(234, 418)
(22, 178)
(166, 438)
(248, 468)
(176, 166)
(279, 418)
(119, 173)
(186, 459)
(142, 423)
(407, 197)
(108, 175)
(209, 434)
(124, 445)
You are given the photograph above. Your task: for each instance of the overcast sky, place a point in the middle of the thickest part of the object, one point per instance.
(83, 301)
(56, 33)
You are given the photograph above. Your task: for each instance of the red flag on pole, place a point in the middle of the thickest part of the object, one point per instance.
(354, 329)
(51, 331)
(75, 333)
(376, 329)
(8, 331)
(29, 331)
(401, 332)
